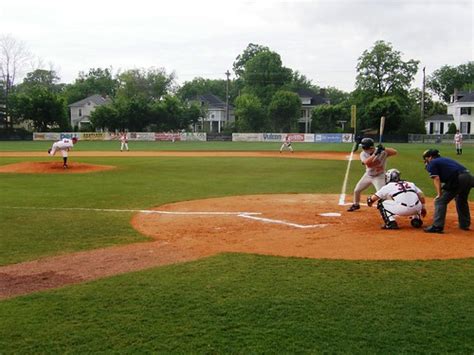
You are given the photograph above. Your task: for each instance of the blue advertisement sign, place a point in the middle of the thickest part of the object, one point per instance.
(328, 138)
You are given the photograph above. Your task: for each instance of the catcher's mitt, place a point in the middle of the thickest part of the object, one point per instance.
(370, 202)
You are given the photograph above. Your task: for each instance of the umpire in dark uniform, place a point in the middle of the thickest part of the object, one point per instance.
(451, 180)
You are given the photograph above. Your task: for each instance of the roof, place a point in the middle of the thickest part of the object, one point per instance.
(316, 99)
(466, 97)
(440, 118)
(210, 100)
(96, 99)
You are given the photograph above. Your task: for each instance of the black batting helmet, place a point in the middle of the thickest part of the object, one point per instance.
(367, 143)
(434, 153)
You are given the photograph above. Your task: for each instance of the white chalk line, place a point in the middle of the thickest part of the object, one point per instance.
(342, 197)
(249, 215)
(277, 221)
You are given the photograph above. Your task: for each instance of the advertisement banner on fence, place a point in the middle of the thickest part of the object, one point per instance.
(141, 136)
(168, 137)
(347, 138)
(328, 138)
(194, 137)
(247, 137)
(46, 136)
(296, 137)
(86, 136)
(274, 137)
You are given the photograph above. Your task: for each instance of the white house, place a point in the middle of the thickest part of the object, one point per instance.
(309, 100)
(81, 110)
(215, 114)
(460, 112)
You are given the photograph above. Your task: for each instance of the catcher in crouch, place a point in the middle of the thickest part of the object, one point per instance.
(399, 198)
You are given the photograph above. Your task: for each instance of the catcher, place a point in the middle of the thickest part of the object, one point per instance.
(399, 198)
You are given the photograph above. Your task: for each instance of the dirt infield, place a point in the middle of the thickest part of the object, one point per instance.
(290, 225)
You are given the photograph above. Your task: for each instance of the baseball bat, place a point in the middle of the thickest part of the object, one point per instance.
(382, 125)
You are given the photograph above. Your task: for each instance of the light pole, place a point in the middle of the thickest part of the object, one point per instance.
(227, 98)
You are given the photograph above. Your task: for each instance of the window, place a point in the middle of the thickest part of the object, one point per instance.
(465, 128)
(466, 111)
(80, 112)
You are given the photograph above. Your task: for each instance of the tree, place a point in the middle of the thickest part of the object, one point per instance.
(336, 96)
(241, 60)
(385, 106)
(13, 59)
(250, 114)
(106, 117)
(151, 84)
(44, 108)
(446, 79)
(325, 117)
(381, 71)
(264, 75)
(284, 110)
(96, 81)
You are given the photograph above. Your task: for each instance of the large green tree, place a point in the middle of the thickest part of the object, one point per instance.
(250, 114)
(250, 52)
(325, 118)
(97, 81)
(284, 111)
(446, 79)
(264, 75)
(381, 71)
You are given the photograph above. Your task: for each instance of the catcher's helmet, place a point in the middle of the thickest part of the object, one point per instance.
(367, 143)
(392, 175)
(431, 153)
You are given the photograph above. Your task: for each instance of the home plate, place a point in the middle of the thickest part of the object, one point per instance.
(330, 214)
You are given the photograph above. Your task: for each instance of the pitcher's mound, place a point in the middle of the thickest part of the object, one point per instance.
(52, 168)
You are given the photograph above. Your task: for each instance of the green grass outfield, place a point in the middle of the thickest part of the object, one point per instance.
(230, 303)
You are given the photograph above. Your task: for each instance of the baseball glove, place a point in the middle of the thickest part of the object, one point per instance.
(370, 202)
(423, 212)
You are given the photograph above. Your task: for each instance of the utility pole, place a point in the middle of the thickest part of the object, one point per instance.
(423, 96)
(227, 73)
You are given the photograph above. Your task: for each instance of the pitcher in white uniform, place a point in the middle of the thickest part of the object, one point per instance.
(64, 145)
(399, 198)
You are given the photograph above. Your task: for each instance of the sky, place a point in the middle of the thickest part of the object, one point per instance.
(321, 39)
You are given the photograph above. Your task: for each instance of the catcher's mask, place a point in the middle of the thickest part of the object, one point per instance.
(392, 175)
(367, 143)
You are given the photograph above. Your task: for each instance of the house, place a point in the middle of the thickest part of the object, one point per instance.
(438, 124)
(81, 110)
(309, 100)
(215, 116)
(460, 112)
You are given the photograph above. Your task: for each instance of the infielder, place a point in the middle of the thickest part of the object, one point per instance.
(375, 161)
(286, 144)
(458, 142)
(399, 198)
(64, 145)
(123, 141)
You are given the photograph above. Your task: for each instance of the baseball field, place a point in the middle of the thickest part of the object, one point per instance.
(222, 247)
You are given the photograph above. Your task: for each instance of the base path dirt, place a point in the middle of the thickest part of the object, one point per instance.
(296, 225)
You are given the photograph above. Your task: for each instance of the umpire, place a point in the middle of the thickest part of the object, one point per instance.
(451, 180)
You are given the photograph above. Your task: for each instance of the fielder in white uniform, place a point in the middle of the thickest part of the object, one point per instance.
(399, 198)
(375, 161)
(458, 142)
(64, 145)
(286, 144)
(123, 141)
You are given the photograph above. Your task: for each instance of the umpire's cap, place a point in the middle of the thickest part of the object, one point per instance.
(367, 143)
(434, 153)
